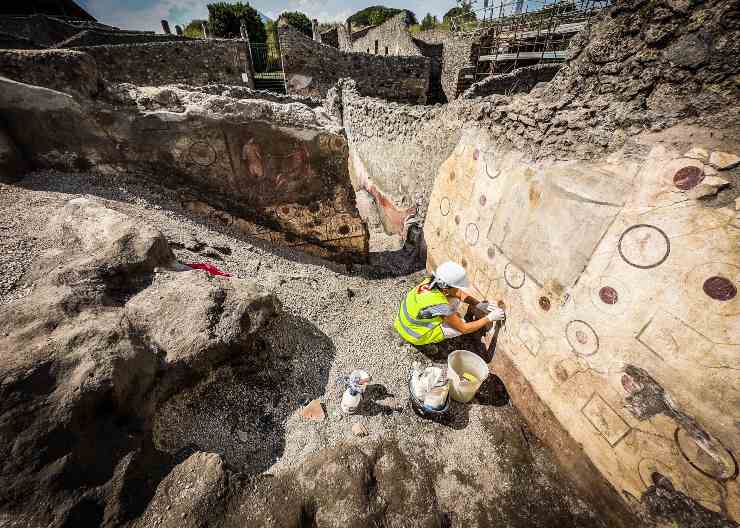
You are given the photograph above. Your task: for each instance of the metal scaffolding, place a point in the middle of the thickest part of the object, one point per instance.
(515, 33)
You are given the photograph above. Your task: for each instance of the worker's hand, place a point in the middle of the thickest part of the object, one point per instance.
(484, 306)
(496, 314)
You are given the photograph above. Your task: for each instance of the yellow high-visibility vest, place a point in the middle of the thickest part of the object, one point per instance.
(414, 329)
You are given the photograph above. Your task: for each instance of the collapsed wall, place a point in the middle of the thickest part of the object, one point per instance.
(273, 167)
(602, 211)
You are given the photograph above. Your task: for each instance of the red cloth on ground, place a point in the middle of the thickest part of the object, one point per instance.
(208, 268)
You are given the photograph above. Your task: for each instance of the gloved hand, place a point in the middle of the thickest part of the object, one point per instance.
(496, 314)
(484, 306)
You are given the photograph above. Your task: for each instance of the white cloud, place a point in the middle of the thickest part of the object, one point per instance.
(146, 14)
(147, 18)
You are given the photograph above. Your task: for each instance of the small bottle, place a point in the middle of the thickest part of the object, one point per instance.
(352, 397)
(350, 401)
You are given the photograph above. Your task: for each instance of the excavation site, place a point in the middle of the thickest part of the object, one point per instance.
(273, 271)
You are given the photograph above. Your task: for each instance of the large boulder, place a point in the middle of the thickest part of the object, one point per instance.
(79, 357)
(189, 496)
(353, 484)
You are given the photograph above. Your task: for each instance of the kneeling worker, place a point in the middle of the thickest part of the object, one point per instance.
(428, 314)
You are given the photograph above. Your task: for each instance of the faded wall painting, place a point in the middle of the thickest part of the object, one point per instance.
(620, 279)
(287, 186)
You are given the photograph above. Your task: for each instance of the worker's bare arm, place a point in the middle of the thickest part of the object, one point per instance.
(464, 297)
(456, 322)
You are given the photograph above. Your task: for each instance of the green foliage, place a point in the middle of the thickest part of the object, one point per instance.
(464, 12)
(272, 36)
(299, 21)
(194, 29)
(429, 22)
(224, 21)
(375, 15)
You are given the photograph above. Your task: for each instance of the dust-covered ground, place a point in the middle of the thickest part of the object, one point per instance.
(485, 467)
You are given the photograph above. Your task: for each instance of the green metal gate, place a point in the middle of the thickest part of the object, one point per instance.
(268, 67)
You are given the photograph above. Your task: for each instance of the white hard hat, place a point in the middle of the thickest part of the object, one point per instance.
(450, 275)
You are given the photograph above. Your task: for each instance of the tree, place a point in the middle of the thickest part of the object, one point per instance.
(465, 13)
(225, 20)
(376, 15)
(429, 22)
(194, 29)
(299, 21)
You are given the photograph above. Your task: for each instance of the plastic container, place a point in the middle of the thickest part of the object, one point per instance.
(461, 365)
(356, 385)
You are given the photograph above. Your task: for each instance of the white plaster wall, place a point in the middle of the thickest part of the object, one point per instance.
(602, 265)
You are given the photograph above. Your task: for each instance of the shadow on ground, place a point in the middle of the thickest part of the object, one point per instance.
(239, 410)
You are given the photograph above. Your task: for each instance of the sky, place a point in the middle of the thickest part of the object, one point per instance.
(146, 14)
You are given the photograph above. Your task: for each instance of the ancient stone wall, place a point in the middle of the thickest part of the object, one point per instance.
(395, 151)
(312, 69)
(455, 56)
(67, 71)
(154, 64)
(521, 80)
(42, 31)
(331, 37)
(602, 210)
(276, 171)
(389, 38)
(106, 38)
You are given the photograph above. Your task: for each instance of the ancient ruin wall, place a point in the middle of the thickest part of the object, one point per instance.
(71, 72)
(456, 50)
(395, 151)
(109, 38)
(521, 80)
(392, 35)
(602, 211)
(154, 64)
(275, 171)
(312, 69)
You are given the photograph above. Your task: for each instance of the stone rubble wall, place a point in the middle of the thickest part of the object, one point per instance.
(196, 62)
(110, 38)
(312, 69)
(43, 31)
(392, 35)
(456, 52)
(72, 72)
(395, 150)
(521, 80)
(331, 37)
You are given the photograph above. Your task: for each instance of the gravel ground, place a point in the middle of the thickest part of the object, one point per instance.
(335, 321)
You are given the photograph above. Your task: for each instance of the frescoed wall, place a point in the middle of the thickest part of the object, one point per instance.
(620, 280)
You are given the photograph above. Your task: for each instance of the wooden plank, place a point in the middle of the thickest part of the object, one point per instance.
(525, 55)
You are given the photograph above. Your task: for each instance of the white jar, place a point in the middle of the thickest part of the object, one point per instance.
(350, 401)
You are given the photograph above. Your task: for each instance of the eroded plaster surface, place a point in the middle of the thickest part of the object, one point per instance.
(620, 280)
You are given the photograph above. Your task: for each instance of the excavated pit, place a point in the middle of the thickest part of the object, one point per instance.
(246, 407)
(600, 209)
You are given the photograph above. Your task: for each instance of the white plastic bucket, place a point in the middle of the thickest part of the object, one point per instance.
(459, 363)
